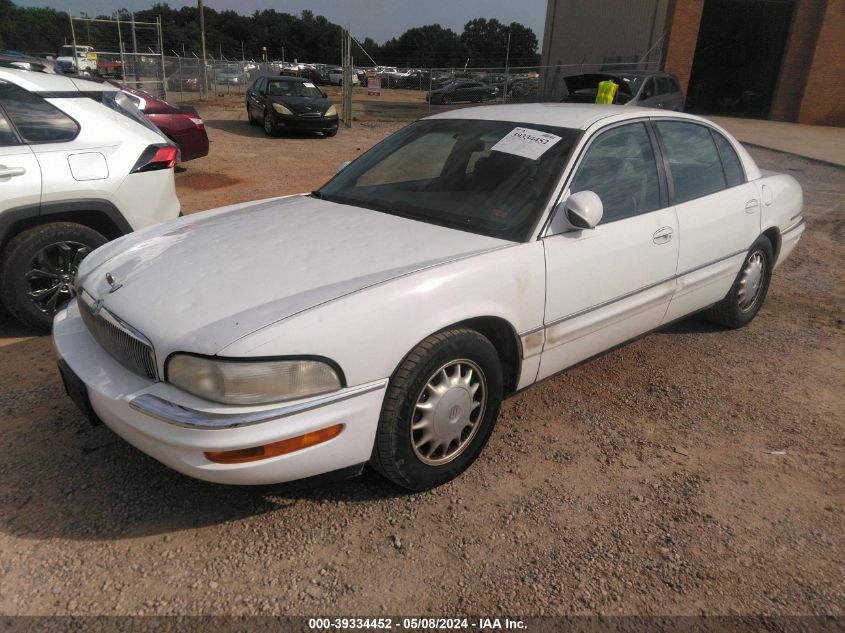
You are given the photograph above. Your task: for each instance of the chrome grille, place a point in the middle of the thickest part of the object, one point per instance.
(125, 344)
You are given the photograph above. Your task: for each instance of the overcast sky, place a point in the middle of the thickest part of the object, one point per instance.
(378, 19)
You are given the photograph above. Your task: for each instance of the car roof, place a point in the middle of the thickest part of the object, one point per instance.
(44, 82)
(286, 78)
(569, 115)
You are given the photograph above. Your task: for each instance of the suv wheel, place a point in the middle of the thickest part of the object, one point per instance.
(38, 267)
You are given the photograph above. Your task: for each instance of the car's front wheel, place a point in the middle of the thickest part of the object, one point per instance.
(38, 267)
(746, 296)
(439, 410)
(269, 127)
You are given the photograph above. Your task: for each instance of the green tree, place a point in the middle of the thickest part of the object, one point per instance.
(425, 46)
(487, 43)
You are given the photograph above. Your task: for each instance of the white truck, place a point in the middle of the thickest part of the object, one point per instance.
(84, 62)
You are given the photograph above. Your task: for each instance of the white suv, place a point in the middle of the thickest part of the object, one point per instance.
(79, 165)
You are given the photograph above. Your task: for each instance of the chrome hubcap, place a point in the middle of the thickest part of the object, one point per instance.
(50, 277)
(448, 412)
(751, 281)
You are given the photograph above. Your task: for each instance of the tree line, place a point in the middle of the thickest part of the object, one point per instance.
(304, 37)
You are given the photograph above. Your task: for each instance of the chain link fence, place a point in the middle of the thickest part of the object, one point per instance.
(385, 93)
(121, 49)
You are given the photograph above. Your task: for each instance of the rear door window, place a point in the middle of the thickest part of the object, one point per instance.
(693, 159)
(733, 167)
(37, 120)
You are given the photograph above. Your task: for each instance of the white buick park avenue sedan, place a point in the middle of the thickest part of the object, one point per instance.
(382, 318)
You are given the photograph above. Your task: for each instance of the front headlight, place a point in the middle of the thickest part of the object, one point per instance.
(332, 111)
(247, 382)
(278, 107)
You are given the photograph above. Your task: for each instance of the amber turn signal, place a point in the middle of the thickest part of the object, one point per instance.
(275, 449)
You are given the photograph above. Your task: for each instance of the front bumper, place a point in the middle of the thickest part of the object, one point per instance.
(178, 429)
(311, 124)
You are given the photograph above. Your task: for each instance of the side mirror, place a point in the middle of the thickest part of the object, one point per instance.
(342, 166)
(582, 210)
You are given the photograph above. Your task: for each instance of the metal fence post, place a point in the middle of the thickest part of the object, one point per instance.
(73, 39)
(161, 53)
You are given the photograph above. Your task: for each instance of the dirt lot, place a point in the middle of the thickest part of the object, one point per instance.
(697, 470)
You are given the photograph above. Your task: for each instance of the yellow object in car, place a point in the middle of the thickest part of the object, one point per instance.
(606, 92)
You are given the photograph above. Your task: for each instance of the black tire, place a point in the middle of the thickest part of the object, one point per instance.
(394, 455)
(250, 118)
(730, 311)
(447, 99)
(269, 127)
(20, 260)
(330, 133)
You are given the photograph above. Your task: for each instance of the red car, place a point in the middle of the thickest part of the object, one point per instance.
(182, 124)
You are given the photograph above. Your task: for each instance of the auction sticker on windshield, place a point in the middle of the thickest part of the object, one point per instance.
(308, 84)
(526, 142)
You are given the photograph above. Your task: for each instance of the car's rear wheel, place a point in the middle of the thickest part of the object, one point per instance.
(447, 99)
(269, 127)
(38, 267)
(330, 133)
(746, 296)
(439, 411)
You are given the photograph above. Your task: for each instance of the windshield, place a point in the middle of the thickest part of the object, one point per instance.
(67, 51)
(293, 89)
(488, 177)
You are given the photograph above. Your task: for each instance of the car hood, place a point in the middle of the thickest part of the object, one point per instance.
(202, 282)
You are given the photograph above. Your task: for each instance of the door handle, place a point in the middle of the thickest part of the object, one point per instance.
(10, 172)
(752, 205)
(662, 235)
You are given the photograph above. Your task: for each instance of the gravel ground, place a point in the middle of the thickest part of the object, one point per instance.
(697, 470)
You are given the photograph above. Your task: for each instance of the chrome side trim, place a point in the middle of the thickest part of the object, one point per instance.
(563, 332)
(604, 304)
(186, 417)
(532, 342)
(793, 227)
(711, 263)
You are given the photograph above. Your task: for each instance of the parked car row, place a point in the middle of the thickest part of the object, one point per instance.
(462, 90)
